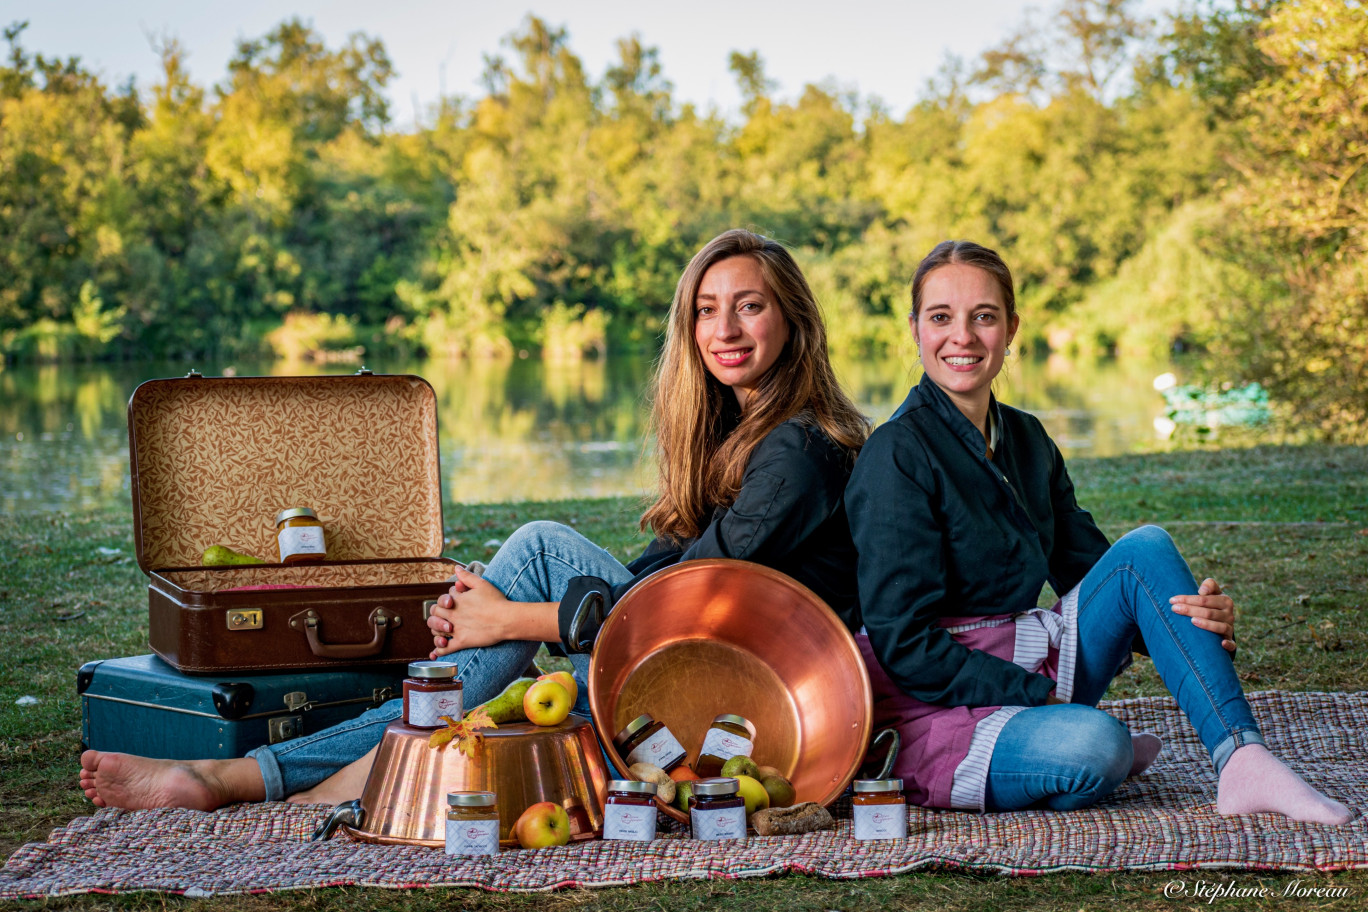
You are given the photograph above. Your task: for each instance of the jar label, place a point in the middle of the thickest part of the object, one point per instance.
(661, 749)
(726, 823)
(880, 821)
(426, 708)
(301, 540)
(472, 837)
(725, 745)
(628, 821)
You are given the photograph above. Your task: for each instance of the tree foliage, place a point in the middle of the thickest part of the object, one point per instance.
(1200, 182)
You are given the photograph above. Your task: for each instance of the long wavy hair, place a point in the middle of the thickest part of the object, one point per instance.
(700, 463)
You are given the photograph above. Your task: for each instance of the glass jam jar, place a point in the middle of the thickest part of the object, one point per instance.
(431, 691)
(644, 740)
(879, 809)
(716, 810)
(472, 824)
(728, 736)
(300, 535)
(629, 812)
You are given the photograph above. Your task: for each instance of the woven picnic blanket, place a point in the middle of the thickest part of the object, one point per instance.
(1162, 820)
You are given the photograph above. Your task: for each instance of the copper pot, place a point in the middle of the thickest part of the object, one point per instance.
(721, 636)
(404, 800)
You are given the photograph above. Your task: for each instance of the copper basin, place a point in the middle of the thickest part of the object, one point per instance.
(720, 636)
(405, 796)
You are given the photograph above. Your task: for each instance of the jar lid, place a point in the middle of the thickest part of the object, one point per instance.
(429, 669)
(718, 786)
(878, 785)
(736, 720)
(632, 785)
(470, 799)
(633, 727)
(292, 512)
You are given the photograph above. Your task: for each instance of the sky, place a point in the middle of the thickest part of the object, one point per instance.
(883, 48)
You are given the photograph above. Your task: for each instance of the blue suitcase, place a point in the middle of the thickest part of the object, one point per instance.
(142, 705)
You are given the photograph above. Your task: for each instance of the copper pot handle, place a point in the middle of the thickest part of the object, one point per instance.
(382, 620)
(894, 740)
(591, 604)
(350, 813)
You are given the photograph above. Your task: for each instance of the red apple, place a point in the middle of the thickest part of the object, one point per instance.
(543, 824)
(547, 703)
(564, 679)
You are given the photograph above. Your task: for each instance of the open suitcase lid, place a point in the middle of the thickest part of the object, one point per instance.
(213, 460)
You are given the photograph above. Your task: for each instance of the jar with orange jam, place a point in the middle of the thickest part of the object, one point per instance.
(299, 532)
(729, 736)
(879, 809)
(647, 740)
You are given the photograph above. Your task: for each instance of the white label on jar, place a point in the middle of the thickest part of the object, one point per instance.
(724, 744)
(301, 540)
(427, 708)
(629, 821)
(880, 821)
(726, 823)
(661, 749)
(472, 837)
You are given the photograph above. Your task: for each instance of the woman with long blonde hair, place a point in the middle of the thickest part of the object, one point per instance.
(755, 442)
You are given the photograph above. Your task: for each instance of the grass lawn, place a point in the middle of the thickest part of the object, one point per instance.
(1284, 529)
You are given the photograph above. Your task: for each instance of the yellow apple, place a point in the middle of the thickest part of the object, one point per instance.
(547, 703)
(566, 680)
(543, 824)
(753, 793)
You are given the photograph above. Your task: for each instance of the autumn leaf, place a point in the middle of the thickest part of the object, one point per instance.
(465, 733)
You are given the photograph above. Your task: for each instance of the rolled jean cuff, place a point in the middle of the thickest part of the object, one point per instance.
(1221, 753)
(270, 772)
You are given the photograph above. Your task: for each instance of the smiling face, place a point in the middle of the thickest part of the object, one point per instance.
(963, 331)
(739, 327)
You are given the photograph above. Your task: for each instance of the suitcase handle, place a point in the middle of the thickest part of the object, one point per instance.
(382, 620)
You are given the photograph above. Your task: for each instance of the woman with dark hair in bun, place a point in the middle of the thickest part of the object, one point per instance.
(961, 509)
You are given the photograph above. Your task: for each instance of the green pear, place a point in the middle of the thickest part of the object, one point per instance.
(508, 706)
(223, 556)
(780, 790)
(682, 792)
(740, 765)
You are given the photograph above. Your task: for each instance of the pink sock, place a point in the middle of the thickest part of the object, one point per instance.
(1253, 780)
(1146, 747)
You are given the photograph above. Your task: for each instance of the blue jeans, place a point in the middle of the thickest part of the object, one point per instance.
(536, 564)
(1066, 756)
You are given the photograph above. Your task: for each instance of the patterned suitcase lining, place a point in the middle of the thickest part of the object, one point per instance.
(217, 458)
(343, 575)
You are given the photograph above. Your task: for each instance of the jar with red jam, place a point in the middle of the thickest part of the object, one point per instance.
(646, 740)
(629, 812)
(879, 809)
(431, 691)
(716, 809)
(729, 736)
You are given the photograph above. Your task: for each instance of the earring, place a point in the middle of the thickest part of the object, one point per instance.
(1008, 351)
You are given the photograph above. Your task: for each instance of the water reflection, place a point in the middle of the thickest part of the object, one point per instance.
(516, 430)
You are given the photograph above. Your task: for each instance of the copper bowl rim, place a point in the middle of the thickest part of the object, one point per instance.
(599, 711)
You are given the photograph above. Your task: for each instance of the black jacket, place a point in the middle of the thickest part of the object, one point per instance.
(788, 515)
(942, 531)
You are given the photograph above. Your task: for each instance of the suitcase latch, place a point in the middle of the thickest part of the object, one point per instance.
(296, 701)
(284, 728)
(244, 619)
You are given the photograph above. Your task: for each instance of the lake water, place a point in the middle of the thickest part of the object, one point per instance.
(518, 430)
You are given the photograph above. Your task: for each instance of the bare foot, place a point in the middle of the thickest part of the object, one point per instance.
(134, 783)
(1146, 747)
(1253, 780)
(344, 785)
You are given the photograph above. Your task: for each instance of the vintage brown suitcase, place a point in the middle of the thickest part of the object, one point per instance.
(213, 460)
